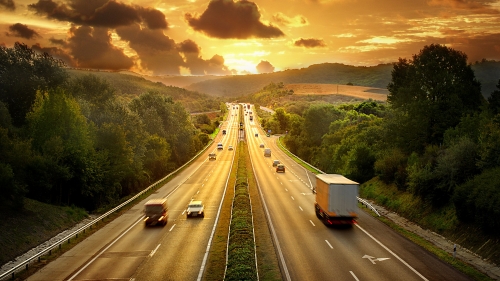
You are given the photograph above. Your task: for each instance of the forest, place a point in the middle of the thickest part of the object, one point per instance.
(71, 140)
(437, 137)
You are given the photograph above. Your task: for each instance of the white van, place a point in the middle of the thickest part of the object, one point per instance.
(219, 146)
(267, 152)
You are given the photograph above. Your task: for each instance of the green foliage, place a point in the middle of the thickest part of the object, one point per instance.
(22, 73)
(432, 92)
(494, 100)
(478, 199)
(390, 167)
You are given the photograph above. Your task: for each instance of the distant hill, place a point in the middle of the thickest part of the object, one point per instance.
(131, 85)
(326, 73)
(487, 72)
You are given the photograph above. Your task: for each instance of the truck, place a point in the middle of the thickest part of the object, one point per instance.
(336, 199)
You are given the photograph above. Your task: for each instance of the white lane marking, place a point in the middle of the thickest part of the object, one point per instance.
(355, 278)
(392, 253)
(329, 244)
(312, 222)
(202, 185)
(301, 209)
(292, 198)
(173, 226)
(286, 189)
(154, 251)
(183, 212)
(104, 250)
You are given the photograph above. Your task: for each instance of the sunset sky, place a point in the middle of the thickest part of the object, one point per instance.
(196, 37)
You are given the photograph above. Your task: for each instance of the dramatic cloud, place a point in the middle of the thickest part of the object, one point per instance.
(22, 30)
(228, 19)
(482, 7)
(309, 43)
(56, 53)
(8, 4)
(157, 52)
(265, 67)
(294, 22)
(162, 56)
(92, 48)
(101, 13)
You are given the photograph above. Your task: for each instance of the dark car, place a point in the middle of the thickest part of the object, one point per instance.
(280, 168)
(156, 212)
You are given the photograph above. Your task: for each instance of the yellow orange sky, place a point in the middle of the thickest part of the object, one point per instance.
(236, 37)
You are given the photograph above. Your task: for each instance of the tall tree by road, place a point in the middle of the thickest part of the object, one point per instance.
(430, 92)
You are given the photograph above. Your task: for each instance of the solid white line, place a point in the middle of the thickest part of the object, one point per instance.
(312, 222)
(173, 225)
(355, 278)
(301, 209)
(329, 244)
(392, 253)
(105, 249)
(154, 251)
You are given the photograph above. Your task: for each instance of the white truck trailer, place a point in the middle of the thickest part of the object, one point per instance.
(336, 199)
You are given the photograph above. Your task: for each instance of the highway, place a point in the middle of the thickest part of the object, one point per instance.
(126, 250)
(368, 251)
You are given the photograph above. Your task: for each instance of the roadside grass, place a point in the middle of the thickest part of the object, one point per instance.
(442, 221)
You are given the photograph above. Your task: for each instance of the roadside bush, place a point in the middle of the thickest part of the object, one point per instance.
(477, 201)
(391, 168)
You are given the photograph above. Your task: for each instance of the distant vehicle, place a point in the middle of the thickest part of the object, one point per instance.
(212, 156)
(267, 152)
(261, 145)
(336, 199)
(223, 132)
(280, 168)
(256, 135)
(268, 135)
(219, 146)
(251, 117)
(156, 212)
(275, 163)
(195, 208)
(230, 147)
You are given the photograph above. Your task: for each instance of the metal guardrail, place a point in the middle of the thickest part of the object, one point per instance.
(360, 200)
(36, 257)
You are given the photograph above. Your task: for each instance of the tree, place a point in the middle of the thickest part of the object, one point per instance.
(494, 100)
(430, 93)
(22, 73)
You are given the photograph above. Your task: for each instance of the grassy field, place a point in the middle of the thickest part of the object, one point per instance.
(336, 89)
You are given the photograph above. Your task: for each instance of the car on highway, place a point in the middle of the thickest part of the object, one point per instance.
(156, 212)
(230, 147)
(261, 145)
(219, 146)
(276, 162)
(268, 135)
(280, 168)
(256, 135)
(212, 156)
(195, 208)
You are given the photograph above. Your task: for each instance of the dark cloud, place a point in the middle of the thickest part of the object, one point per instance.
(482, 7)
(265, 67)
(161, 55)
(22, 30)
(92, 48)
(157, 52)
(58, 42)
(188, 46)
(56, 53)
(228, 19)
(100, 13)
(309, 43)
(8, 4)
